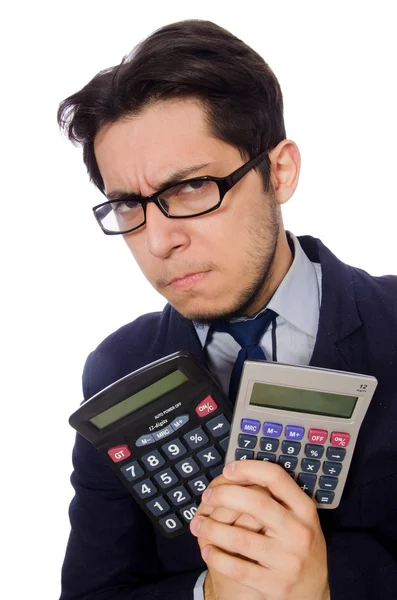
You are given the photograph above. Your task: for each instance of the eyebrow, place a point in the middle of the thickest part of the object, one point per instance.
(175, 178)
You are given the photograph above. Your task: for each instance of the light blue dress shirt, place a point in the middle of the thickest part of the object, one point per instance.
(297, 301)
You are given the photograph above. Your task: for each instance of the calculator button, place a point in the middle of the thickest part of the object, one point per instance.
(224, 444)
(153, 461)
(331, 468)
(206, 406)
(188, 512)
(309, 465)
(132, 471)
(269, 444)
(187, 467)
(209, 457)
(170, 523)
(158, 506)
(196, 438)
(218, 426)
(250, 426)
(314, 451)
(166, 478)
(272, 429)
(328, 483)
(174, 449)
(145, 488)
(291, 448)
(292, 473)
(179, 422)
(294, 432)
(306, 482)
(216, 472)
(337, 454)
(340, 439)
(119, 453)
(243, 454)
(317, 436)
(324, 497)
(288, 462)
(159, 435)
(266, 456)
(247, 441)
(198, 485)
(179, 495)
(144, 440)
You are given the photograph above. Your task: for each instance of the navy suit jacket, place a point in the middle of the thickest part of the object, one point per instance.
(114, 552)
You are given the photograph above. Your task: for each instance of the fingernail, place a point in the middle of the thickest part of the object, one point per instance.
(195, 524)
(229, 469)
(206, 495)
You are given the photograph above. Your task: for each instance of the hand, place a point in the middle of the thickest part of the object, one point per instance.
(286, 559)
(218, 586)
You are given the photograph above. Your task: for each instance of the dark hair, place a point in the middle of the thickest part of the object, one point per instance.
(189, 59)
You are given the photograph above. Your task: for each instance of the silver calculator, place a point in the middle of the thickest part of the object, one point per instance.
(305, 419)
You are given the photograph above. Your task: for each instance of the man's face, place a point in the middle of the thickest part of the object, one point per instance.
(208, 267)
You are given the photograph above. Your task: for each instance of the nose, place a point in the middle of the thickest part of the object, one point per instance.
(164, 236)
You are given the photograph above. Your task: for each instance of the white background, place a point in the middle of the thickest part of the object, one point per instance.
(65, 285)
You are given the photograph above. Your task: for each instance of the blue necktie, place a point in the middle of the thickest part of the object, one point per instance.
(247, 334)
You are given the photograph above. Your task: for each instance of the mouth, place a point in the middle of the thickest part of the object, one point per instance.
(187, 280)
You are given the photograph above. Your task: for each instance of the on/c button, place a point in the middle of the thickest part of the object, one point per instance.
(206, 406)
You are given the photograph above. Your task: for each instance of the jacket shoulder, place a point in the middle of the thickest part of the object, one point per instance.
(125, 350)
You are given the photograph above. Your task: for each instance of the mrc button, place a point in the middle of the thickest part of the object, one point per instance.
(206, 406)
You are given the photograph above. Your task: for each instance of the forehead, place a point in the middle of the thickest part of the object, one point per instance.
(148, 147)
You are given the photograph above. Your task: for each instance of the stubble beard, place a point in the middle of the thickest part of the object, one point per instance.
(261, 254)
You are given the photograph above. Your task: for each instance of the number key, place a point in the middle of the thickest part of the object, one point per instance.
(269, 444)
(132, 471)
(288, 462)
(166, 478)
(145, 488)
(158, 506)
(290, 448)
(174, 449)
(179, 495)
(247, 441)
(153, 460)
(198, 485)
(188, 512)
(187, 467)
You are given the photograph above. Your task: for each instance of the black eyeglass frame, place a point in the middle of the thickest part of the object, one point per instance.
(224, 185)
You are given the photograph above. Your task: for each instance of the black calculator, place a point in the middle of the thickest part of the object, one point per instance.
(164, 430)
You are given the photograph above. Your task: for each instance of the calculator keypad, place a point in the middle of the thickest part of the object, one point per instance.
(314, 466)
(172, 477)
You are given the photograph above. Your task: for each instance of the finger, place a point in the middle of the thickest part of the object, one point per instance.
(277, 480)
(237, 569)
(225, 515)
(252, 546)
(256, 503)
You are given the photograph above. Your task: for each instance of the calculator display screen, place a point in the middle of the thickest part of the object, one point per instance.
(128, 406)
(306, 401)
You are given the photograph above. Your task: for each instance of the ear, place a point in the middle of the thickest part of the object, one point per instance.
(285, 168)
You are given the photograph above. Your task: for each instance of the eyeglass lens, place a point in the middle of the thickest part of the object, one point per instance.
(182, 200)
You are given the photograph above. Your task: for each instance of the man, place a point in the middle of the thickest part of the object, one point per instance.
(193, 101)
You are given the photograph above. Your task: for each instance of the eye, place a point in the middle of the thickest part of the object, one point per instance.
(193, 186)
(123, 208)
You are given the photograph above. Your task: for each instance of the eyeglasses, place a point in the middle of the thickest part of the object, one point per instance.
(189, 198)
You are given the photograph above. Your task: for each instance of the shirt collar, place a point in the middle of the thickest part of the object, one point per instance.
(296, 299)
